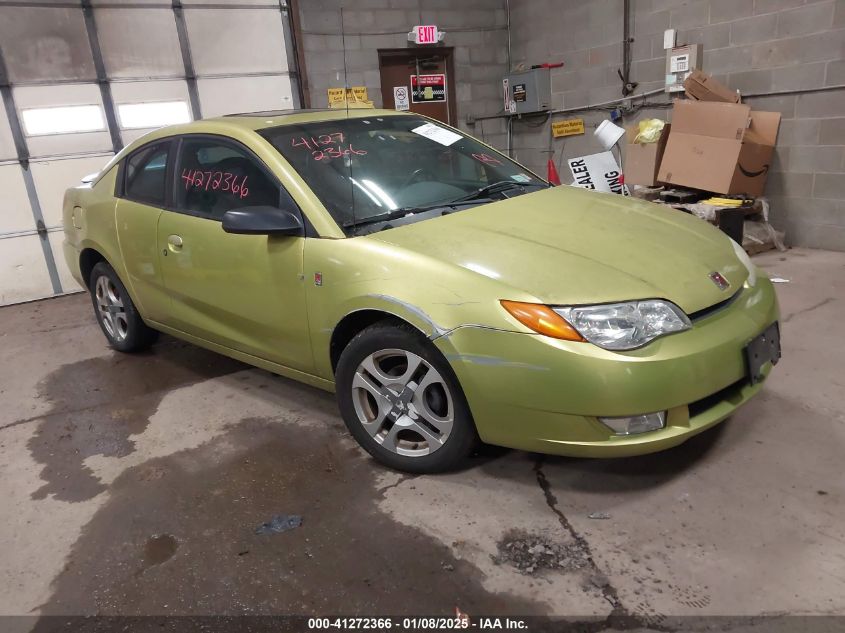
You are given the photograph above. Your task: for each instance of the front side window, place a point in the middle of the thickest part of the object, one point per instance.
(365, 168)
(214, 177)
(146, 175)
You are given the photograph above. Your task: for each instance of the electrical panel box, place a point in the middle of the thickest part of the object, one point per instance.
(680, 62)
(528, 91)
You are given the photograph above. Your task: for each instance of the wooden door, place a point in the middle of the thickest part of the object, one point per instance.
(426, 74)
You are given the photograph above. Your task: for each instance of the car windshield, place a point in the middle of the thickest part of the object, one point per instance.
(370, 170)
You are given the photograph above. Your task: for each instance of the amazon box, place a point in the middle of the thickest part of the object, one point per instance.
(719, 147)
(702, 87)
(642, 160)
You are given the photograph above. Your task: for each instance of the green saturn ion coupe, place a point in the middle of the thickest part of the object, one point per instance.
(443, 291)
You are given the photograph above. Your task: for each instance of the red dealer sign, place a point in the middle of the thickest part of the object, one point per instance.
(426, 34)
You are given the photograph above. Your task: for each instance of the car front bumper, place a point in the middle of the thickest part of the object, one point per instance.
(536, 393)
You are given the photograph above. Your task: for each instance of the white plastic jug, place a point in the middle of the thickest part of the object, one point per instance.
(608, 134)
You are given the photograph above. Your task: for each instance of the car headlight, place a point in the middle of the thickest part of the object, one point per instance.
(623, 326)
(746, 261)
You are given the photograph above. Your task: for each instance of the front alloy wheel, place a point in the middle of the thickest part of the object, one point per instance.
(401, 400)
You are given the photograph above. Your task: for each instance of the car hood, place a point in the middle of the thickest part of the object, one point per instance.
(571, 246)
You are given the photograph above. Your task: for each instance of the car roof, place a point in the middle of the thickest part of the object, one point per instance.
(275, 118)
(230, 124)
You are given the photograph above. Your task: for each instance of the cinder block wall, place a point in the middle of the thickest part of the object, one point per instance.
(477, 29)
(753, 45)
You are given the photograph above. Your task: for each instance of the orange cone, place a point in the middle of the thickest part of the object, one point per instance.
(553, 176)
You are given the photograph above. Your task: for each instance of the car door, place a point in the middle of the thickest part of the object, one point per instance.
(245, 292)
(141, 191)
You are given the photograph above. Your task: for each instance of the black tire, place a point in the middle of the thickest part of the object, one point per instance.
(124, 328)
(462, 437)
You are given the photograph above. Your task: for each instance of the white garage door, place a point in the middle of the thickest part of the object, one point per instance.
(79, 83)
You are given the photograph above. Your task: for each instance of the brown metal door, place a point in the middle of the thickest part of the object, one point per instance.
(426, 74)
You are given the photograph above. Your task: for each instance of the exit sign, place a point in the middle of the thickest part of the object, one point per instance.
(426, 34)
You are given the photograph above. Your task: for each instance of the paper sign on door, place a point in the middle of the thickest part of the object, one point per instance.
(400, 98)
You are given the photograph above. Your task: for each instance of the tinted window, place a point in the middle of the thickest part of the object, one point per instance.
(215, 177)
(146, 175)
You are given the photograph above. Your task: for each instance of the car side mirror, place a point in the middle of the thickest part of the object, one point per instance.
(263, 220)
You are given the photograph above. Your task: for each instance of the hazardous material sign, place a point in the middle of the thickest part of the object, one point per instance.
(428, 88)
(599, 172)
(567, 127)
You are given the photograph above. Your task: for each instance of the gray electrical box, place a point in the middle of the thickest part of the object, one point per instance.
(528, 91)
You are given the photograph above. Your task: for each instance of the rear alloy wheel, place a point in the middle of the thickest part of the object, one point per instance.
(116, 314)
(401, 401)
(112, 312)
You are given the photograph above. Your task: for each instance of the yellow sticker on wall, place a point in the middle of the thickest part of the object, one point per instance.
(355, 93)
(567, 127)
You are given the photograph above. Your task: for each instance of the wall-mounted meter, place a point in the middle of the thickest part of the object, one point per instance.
(680, 62)
(527, 91)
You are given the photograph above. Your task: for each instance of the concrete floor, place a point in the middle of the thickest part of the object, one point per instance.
(134, 484)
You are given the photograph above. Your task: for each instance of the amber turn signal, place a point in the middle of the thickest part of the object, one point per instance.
(542, 319)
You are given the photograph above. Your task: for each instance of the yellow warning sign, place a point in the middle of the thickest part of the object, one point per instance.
(356, 93)
(567, 127)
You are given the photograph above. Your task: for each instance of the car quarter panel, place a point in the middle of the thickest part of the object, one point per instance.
(532, 386)
(89, 222)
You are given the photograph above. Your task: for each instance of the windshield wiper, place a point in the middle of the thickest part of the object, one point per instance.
(394, 215)
(401, 212)
(496, 187)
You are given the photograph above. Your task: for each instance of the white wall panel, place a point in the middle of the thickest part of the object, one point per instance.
(15, 211)
(145, 92)
(23, 273)
(245, 3)
(139, 43)
(133, 2)
(244, 94)
(62, 95)
(226, 41)
(44, 43)
(54, 177)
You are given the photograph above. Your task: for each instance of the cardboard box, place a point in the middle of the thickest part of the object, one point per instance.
(719, 147)
(642, 160)
(702, 87)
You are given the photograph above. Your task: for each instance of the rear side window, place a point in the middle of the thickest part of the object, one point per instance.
(215, 177)
(146, 175)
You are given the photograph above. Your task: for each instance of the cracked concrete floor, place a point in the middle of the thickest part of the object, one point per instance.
(134, 484)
